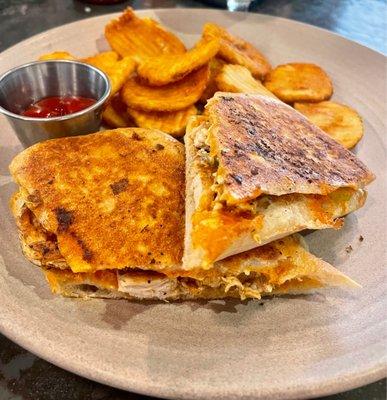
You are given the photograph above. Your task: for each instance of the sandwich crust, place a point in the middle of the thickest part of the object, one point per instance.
(113, 199)
(264, 146)
(282, 267)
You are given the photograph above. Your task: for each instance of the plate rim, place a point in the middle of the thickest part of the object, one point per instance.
(340, 383)
(191, 9)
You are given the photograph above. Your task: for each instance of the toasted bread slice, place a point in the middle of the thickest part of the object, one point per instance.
(263, 146)
(88, 192)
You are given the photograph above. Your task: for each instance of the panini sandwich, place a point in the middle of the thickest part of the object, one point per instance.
(257, 171)
(103, 216)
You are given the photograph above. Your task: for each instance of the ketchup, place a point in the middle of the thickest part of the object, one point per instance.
(56, 106)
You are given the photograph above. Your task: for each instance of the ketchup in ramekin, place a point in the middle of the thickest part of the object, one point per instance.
(57, 106)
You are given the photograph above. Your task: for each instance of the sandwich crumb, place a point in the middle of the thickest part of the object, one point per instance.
(361, 238)
(348, 249)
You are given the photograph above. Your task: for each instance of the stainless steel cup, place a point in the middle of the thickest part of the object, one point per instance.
(22, 86)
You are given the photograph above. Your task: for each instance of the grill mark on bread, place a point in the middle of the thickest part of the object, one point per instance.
(64, 218)
(119, 186)
(277, 150)
(87, 254)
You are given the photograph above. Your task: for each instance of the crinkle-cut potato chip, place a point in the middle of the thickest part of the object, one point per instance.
(119, 73)
(117, 70)
(57, 55)
(112, 118)
(140, 37)
(340, 122)
(238, 79)
(299, 82)
(173, 122)
(103, 61)
(175, 96)
(168, 68)
(212, 87)
(115, 114)
(235, 50)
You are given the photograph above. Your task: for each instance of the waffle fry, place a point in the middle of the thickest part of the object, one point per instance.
(173, 122)
(298, 82)
(168, 68)
(340, 122)
(57, 55)
(119, 73)
(212, 87)
(115, 114)
(172, 97)
(238, 79)
(140, 38)
(237, 51)
(103, 61)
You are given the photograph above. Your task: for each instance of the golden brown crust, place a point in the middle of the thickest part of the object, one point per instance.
(114, 199)
(265, 146)
(39, 246)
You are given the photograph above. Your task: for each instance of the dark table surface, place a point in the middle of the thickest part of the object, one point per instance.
(23, 376)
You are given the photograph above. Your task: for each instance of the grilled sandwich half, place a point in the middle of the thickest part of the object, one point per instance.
(103, 216)
(258, 171)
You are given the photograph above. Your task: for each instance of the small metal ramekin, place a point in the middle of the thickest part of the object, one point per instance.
(24, 85)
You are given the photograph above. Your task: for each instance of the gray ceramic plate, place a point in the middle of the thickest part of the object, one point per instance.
(287, 348)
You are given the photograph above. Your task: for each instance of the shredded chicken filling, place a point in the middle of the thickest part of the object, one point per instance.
(149, 285)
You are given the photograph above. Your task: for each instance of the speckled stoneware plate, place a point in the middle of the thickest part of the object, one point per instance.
(286, 348)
